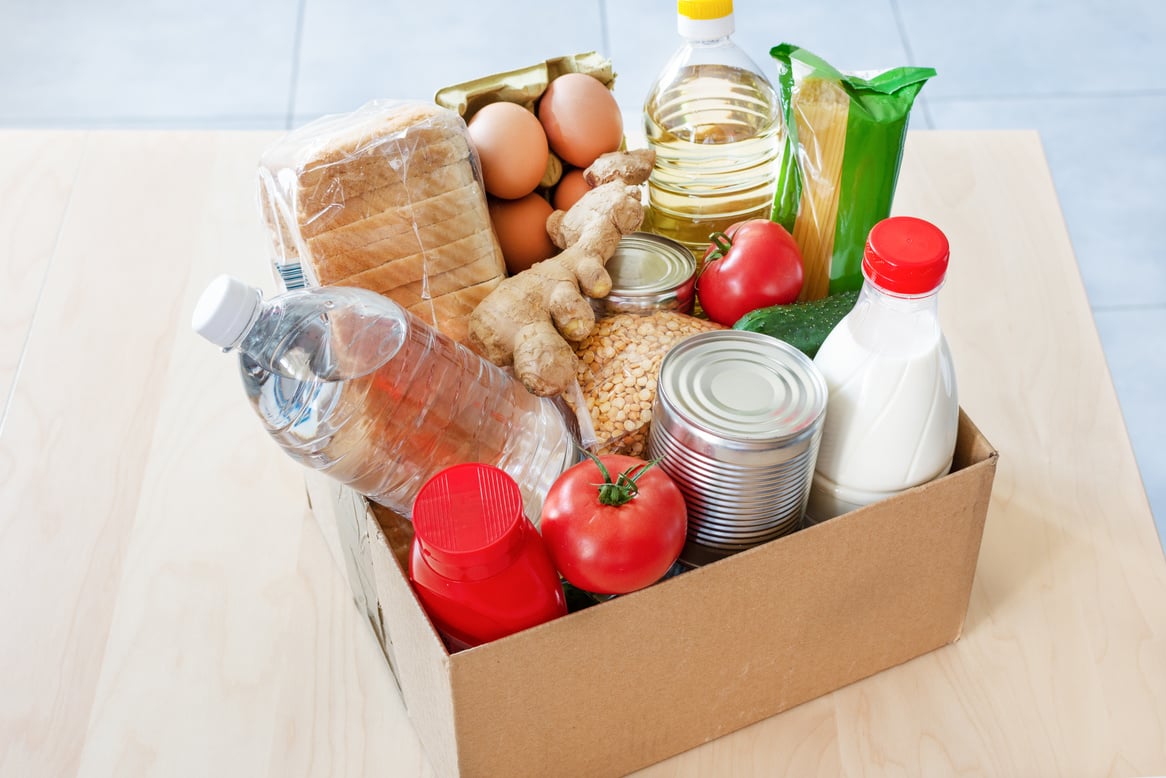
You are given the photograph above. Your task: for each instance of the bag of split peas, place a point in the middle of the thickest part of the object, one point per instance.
(617, 369)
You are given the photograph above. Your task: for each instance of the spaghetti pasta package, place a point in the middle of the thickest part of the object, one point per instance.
(843, 146)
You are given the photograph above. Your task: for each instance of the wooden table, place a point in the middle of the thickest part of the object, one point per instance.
(168, 606)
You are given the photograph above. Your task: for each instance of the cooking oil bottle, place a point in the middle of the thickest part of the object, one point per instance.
(714, 120)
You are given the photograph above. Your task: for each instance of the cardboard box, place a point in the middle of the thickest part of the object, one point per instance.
(595, 692)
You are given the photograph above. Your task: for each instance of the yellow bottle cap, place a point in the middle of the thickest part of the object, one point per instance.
(705, 9)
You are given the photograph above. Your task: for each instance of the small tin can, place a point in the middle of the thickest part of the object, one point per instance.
(736, 424)
(649, 273)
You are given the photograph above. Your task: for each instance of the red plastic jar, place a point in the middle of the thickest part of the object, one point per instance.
(477, 563)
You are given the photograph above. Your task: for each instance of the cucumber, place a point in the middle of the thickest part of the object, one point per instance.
(802, 325)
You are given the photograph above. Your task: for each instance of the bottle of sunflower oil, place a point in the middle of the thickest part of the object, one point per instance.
(714, 120)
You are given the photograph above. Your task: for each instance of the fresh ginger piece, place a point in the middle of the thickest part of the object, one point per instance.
(527, 321)
(630, 167)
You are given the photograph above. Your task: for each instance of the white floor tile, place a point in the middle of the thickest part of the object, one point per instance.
(1109, 165)
(991, 48)
(357, 50)
(1139, 374)
(67, 61)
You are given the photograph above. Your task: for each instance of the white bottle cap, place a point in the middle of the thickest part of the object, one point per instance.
(705, 20)
(224, 312)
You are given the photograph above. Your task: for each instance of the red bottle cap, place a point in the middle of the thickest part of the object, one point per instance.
(905, 255)
(468, 521)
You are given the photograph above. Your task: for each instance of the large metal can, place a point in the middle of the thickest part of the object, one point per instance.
(736, 424)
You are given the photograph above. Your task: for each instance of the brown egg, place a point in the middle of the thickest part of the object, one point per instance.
(571, 187)
(581, 118)
(512, 149)
(521, 227)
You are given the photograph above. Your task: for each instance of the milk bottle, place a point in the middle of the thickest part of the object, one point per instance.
(893, 412)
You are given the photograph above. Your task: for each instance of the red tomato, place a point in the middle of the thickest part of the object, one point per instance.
(616, 547)
(753, 264)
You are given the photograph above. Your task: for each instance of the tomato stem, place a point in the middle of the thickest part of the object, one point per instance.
(624, 487)
(722, 242)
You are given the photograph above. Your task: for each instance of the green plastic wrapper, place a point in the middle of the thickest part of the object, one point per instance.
(843, 145)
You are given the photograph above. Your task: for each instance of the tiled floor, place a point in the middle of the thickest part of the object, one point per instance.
(1090, 76)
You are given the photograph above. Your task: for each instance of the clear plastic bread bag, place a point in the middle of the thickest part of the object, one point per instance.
(387, 198)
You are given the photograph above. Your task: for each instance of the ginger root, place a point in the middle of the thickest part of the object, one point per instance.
(528, 319)
(630, 167)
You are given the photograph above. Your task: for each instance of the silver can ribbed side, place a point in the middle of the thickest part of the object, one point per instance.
(736, 423)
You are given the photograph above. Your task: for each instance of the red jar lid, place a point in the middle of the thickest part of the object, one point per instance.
(468, 520)
(905, 255)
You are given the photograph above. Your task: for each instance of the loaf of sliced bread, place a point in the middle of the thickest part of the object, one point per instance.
(388, 198)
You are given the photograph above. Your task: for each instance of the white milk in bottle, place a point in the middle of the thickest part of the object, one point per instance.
(893, 411)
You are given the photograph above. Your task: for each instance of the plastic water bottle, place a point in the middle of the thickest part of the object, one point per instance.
(715, 122)
(893, 411)
(352, 385)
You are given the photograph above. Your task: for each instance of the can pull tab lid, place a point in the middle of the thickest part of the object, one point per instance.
(224, 312)
(906, 255)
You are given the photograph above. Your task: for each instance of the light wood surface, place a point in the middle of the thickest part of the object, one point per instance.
(168, 606)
